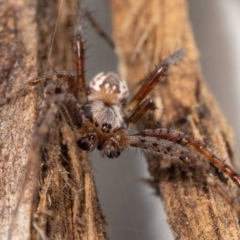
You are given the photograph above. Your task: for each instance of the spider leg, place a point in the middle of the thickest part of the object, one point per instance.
(98, 28)
(175, 150)
(183, 140)
(34, 82)
(146, 105)
(53, 77)
(70, 112)
(77, 84)
(152, 80)
(69, 109)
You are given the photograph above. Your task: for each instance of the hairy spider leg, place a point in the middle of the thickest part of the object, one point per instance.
(152, 80)
(77, 84)
(146, 105)
(183, 139)
(34, 82)
(148, 143)
(99, 29)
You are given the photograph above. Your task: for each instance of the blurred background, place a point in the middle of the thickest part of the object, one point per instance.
(131, 209)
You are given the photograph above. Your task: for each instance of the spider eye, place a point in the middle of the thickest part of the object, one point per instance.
(109, 88)
(106, 127)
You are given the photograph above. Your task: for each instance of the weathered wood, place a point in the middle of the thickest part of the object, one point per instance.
(146, 32)
(66, 206)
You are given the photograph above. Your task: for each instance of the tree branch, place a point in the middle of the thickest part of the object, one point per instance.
(146, 32)
(66, 206)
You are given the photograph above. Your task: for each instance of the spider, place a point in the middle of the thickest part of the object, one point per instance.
(100, 116)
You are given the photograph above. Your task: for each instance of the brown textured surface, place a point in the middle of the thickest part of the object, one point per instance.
(145, 32)
(66, 206)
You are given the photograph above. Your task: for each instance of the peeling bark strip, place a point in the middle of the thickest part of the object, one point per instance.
(145, 32)
(66, 206)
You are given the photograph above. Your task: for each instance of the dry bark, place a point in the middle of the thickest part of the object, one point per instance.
(145, 32)
(63, 203)
(67, 207)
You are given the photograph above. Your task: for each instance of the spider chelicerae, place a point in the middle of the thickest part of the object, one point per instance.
(100, 116)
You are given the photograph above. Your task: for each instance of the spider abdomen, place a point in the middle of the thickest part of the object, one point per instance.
(108, 88)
